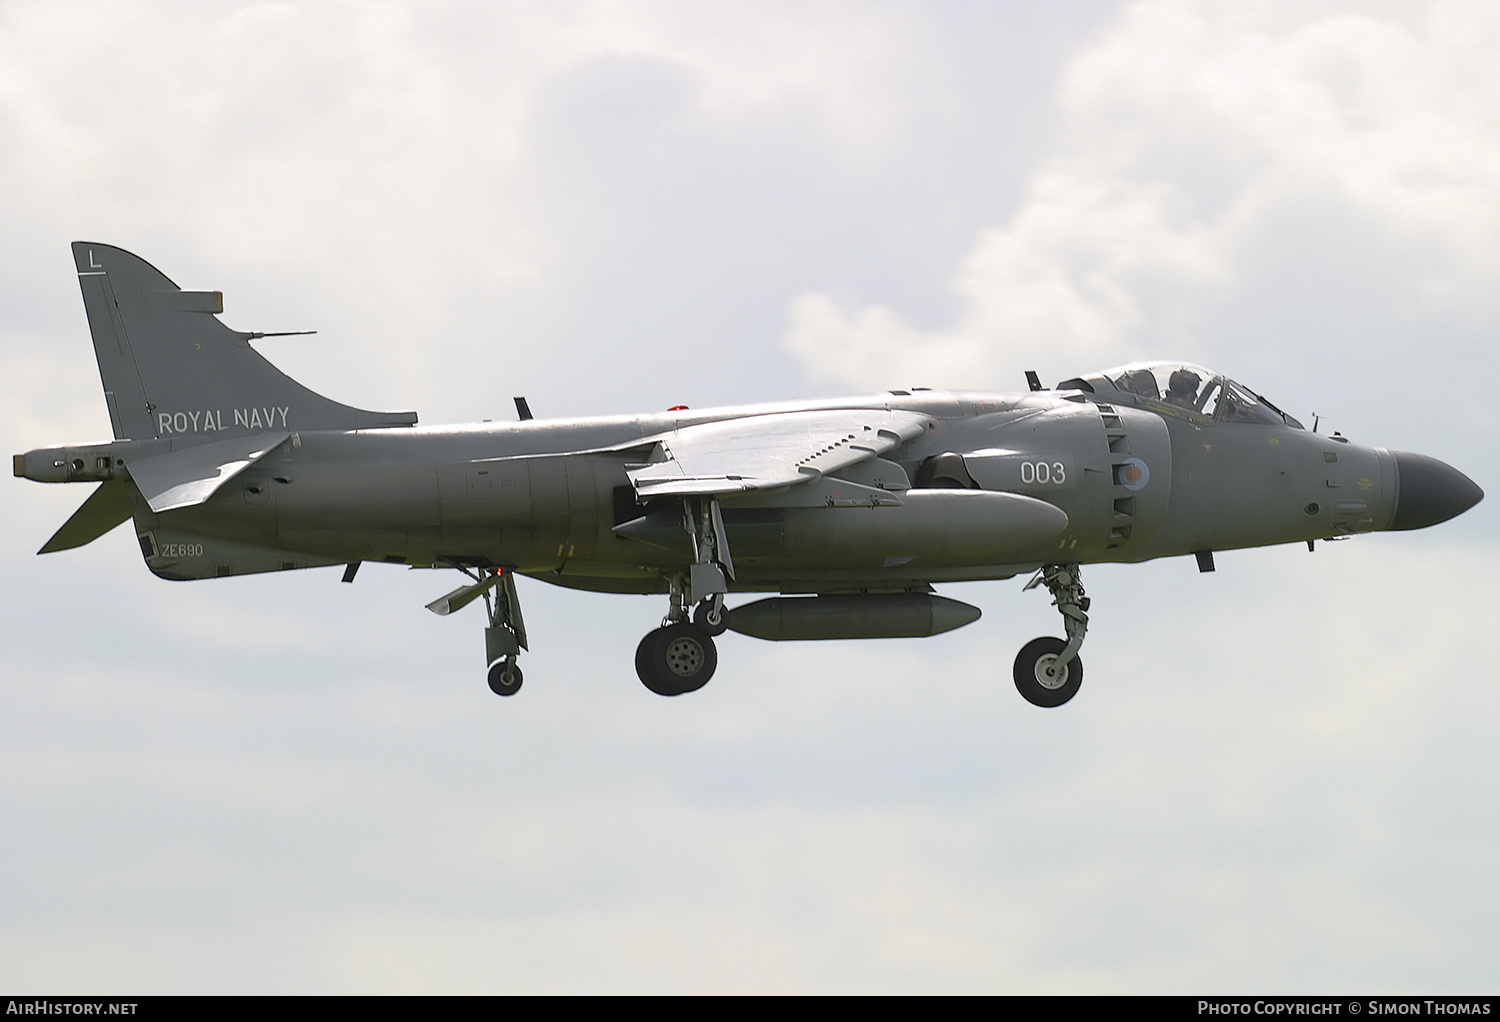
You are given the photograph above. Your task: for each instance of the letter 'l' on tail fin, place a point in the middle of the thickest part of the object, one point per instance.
(171, 369)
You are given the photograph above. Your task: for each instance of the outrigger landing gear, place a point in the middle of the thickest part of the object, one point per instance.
(710, 617)
(505, 636)
(1049, 671)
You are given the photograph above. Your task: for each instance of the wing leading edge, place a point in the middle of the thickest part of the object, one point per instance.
(764, 452)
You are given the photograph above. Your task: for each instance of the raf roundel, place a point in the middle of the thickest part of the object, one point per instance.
(1133, 474)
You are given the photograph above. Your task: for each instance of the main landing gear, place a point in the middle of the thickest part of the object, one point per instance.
(680, 656)
(1049, 671)
(676, 659)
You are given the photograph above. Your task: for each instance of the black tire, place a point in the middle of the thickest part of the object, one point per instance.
(675, 660)
(645, 658)
(505, 679)
(1033, 683)
(701, 615)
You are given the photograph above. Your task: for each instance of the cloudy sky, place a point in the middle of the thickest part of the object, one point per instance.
(1279, 777)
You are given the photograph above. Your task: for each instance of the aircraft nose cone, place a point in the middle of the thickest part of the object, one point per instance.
(1429, 491)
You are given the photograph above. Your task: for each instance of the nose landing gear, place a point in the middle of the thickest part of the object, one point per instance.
(1041, 679)
(1048, 671)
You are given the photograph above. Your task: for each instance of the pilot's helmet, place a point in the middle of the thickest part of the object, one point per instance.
(1184, 383)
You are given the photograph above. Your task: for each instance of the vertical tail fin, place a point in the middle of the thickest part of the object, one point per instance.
(171, 369)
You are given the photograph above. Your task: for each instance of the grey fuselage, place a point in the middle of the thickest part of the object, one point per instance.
(547, 497)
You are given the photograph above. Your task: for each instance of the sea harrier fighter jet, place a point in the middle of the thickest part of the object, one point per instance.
(848, 509)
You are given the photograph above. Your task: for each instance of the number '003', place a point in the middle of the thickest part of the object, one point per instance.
(1043, 473)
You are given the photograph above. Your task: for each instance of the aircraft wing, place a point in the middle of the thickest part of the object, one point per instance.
(190, 476)
(762, 452)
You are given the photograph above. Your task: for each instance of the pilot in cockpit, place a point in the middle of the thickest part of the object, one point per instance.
(1213, 397)
(1182, 388)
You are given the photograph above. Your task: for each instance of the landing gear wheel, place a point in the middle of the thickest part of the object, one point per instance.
(1037, 678)
(676, 659)
(505, 678)
(711, 620)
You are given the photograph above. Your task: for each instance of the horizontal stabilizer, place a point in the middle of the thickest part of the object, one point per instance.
(106, 507)
(762, 452)
(187, 477)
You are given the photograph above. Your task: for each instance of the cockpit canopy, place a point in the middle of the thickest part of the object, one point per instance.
(1184, 390)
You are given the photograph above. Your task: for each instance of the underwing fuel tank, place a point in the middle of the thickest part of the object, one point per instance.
(867, 616)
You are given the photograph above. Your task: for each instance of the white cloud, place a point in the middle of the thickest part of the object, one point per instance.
(1191, 133)
(381, 161)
